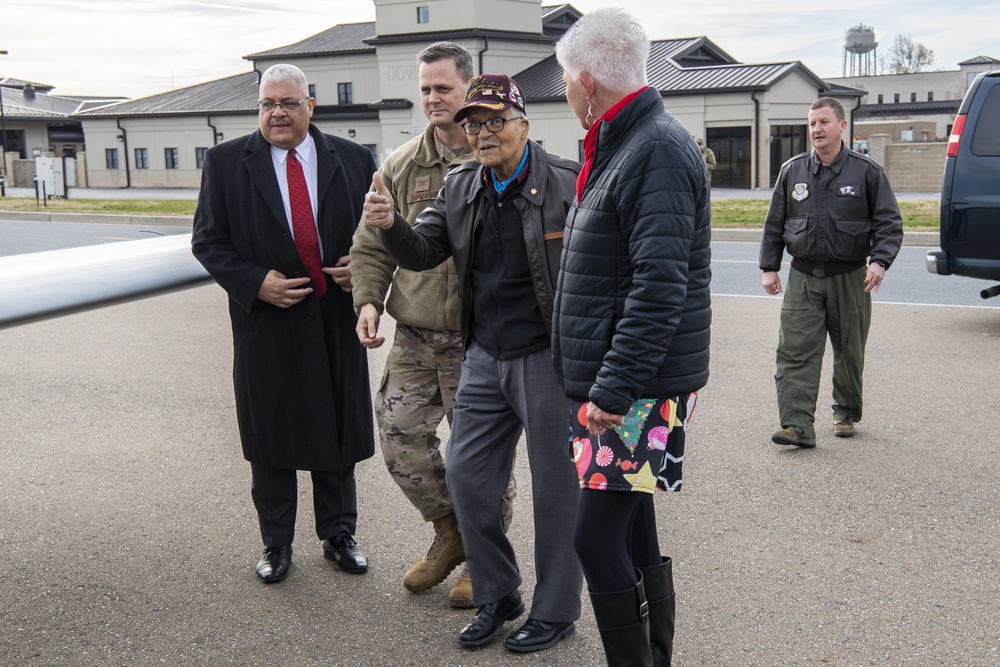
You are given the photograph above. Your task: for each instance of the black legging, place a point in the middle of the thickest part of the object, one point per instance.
(615, 534)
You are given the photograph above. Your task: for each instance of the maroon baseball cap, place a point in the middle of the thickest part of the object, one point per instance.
(494, 92)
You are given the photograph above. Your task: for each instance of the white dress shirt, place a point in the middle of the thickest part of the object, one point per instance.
(306, 152)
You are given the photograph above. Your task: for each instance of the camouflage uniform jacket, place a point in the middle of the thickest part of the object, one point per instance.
(413, 173)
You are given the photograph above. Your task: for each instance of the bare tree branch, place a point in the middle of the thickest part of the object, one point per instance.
(907, 57)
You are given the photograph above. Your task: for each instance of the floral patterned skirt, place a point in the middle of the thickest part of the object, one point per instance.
(645, 453)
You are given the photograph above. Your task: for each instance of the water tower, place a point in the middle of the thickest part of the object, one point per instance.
(860, 43)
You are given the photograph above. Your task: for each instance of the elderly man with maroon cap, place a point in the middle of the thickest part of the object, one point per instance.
(501, 218)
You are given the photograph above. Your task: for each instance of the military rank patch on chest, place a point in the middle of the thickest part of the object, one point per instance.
(847, 190)
(800, 191)
(423, 183)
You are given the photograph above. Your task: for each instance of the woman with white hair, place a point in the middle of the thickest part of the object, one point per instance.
(631, 325)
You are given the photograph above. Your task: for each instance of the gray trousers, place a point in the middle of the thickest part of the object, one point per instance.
(496, 400)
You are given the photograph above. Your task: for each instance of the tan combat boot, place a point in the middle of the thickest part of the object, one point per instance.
(446, 553)
(461, 593)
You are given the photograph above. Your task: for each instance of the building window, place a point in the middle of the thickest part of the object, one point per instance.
(895, 98)
(312, 90)
(880, 99)
(199, 157)
(111, 158)
(913, 97)
(141, 158)
(423, 14)
(170, 158)
(345, 93)
(930, 96)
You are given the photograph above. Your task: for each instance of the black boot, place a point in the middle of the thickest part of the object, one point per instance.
(622, 621)
(658, 582)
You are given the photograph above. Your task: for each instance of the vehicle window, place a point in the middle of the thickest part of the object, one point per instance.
(986, 140)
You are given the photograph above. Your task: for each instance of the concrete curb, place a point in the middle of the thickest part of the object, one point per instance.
(919, 239)
(108, 218)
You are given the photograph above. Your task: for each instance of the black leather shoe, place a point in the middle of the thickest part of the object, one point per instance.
(537, 635)
(274, 564)
(344, 551)
(489, 620)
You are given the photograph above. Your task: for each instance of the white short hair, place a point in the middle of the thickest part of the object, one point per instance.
(283, 72)
(610, 45)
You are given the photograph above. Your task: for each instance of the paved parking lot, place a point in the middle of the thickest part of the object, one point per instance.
(128, 536)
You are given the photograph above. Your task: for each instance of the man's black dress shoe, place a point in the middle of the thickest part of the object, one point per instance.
(274, 564)
(537, 635)
(489, 620)
(344, 551)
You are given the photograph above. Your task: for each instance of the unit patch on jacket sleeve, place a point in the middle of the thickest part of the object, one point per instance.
(800, 191)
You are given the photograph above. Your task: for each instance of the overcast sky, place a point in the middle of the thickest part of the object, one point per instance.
(136, 48)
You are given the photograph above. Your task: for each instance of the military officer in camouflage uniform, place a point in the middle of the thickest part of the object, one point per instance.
(422, 370)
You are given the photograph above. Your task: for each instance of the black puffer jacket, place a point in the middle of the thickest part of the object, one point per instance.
(633, 308)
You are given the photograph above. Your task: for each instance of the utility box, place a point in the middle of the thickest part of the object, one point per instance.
(50, 177)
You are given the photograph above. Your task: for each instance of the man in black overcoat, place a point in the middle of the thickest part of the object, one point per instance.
(274, 223)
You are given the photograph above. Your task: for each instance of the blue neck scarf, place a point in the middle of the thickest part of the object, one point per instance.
(500, 186)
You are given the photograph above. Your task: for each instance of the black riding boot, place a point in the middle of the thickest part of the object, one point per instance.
(622, 621)
(658, 582)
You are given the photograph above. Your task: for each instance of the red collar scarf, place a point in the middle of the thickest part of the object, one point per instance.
(590, 141)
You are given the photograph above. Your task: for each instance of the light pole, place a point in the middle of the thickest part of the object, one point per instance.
(3, 141)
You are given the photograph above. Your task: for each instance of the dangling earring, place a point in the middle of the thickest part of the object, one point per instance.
(590, 112)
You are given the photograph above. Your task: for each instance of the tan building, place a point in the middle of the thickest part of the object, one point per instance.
(37, 123)
(913, 107)
(904, 120)
(364, 79)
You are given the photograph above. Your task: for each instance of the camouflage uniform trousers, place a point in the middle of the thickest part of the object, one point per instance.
(417, 392)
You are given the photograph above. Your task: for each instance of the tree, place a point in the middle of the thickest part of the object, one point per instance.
(908, 57)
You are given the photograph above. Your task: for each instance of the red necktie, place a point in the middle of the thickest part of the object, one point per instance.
(303, 226)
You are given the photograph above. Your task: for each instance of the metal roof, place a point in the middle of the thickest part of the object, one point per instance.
(668, 78)
(36, 106)
(338, 39)
(980, 60)
(716, 72)
(21, 83)
(908, 108)
(552, 10)
(352, 37)
(543, 81)
(557, 19)
(231, 94)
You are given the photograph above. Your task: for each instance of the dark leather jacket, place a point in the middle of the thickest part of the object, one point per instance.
(829, 216)
(447, 228)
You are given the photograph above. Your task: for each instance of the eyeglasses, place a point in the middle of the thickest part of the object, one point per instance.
(268, 107)
(494, 125)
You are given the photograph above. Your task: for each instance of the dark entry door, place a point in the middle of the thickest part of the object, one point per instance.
(787, 141)
(732, 156)
(15, 143)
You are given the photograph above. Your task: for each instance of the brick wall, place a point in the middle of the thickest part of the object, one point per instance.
(916, 167)
(23, 174)
(921, 130)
